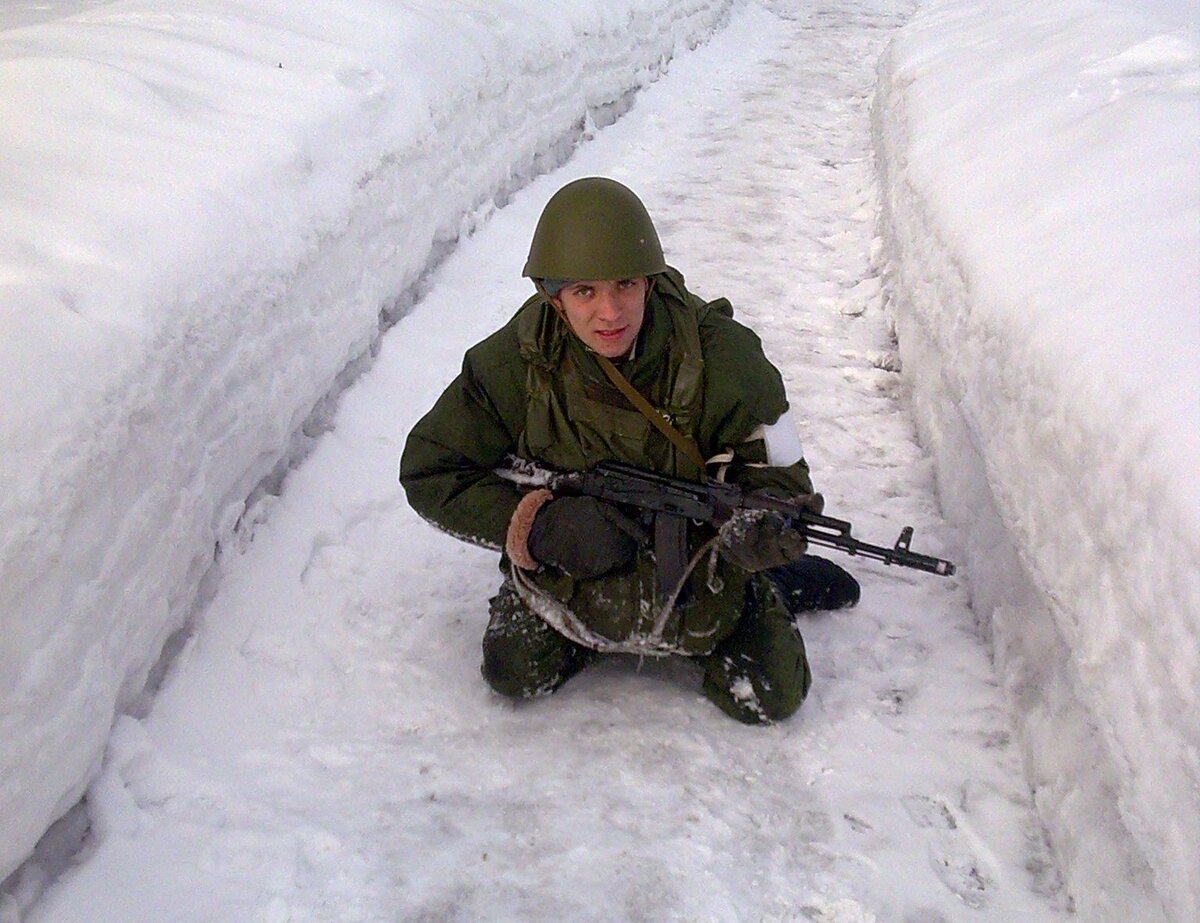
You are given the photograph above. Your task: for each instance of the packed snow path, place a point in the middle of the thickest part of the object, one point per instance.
(325, 748)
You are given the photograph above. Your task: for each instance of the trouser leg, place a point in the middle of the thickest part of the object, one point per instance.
(759, 674)
(522, 655)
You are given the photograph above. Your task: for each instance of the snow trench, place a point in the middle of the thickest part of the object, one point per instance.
(213, 210)
(1004, 135)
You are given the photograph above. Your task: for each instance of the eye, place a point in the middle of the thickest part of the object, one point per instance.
(582, 291)
(627, 283)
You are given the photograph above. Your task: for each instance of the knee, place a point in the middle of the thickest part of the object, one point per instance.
(760, 674)
(782, 693)
(754, 692)
(785, 677)
(507, 667)
(522, 655)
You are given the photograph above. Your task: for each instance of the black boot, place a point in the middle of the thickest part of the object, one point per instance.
(814, 583)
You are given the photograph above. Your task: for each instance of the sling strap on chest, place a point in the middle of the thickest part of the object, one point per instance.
(670, 532)
(685, 445)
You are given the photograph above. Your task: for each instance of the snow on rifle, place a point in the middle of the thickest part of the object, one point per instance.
(674, 501)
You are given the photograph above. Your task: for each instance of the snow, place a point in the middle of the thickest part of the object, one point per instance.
(324, 747)
(1042, 217)
(210, 205)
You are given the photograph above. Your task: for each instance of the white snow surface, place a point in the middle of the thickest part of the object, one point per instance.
(1041, 185)
(324, 747)
(205, 206)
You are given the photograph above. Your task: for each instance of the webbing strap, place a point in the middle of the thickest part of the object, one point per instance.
(685, 445)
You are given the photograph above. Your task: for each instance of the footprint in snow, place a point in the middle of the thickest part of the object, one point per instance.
(929, 813)
(892, 701)
(962, 874)
(952, 860)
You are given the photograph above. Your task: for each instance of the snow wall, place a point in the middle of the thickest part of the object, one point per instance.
(205, 209)
(1040, 213)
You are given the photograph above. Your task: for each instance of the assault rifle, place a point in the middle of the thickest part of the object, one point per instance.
(675, 501)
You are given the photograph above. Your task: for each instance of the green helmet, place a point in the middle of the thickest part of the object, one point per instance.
(594, 228)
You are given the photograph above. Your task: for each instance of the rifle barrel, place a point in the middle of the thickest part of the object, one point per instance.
(898, 556)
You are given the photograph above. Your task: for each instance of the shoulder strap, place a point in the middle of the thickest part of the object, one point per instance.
(687, 446)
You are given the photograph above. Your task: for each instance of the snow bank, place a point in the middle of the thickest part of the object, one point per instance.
(1041, 216)
(205, 208)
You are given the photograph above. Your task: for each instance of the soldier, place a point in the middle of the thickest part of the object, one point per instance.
(614, 359)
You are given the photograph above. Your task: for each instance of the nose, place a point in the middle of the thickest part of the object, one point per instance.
(608, 306)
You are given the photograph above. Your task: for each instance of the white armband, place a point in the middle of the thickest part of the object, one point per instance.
(784, 448)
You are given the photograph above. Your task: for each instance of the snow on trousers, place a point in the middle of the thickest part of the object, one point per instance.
(757, 675)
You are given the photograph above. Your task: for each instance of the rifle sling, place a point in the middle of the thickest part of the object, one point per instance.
(685, 445)
(670, 532)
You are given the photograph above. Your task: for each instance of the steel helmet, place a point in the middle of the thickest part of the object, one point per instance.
(594, 228)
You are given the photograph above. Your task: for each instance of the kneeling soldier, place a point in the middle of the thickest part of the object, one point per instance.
(614, 359)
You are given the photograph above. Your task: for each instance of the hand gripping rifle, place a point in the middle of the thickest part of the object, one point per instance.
(675, 501)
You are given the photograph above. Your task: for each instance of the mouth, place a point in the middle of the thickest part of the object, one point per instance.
(611, 336)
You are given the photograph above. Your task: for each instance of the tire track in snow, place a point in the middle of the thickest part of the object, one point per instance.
(326, 749)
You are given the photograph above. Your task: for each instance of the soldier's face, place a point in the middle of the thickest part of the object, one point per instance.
(606, 314)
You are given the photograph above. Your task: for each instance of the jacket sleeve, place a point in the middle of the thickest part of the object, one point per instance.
(448, 461)
(744, 393)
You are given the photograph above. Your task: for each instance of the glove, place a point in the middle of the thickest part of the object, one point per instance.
(581, 536)
(756, 540)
